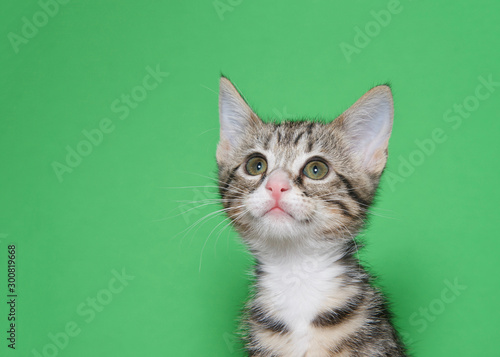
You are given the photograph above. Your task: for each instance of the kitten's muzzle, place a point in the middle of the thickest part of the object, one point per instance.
(277, 186)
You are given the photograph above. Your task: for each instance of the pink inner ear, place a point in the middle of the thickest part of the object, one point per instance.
(368, 125)
(223, 150)
(379, 159)
(224, 145)
(234, 113)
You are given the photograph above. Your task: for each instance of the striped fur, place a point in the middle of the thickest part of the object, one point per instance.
(311, 297)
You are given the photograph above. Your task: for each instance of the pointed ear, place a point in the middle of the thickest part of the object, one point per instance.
(367, 126)
(235, 117)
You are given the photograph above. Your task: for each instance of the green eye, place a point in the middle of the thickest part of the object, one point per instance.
(316, 170)
(256, 165)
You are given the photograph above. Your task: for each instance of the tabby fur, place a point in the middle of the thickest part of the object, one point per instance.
(311, 298)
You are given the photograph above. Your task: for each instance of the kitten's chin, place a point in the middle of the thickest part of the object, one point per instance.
(279, 224)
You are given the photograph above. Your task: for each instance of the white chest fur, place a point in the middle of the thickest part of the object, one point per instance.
(295, 290)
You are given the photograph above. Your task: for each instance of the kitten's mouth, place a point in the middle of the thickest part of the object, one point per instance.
(277, 211)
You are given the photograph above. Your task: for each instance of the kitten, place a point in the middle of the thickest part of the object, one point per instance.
(298, 193)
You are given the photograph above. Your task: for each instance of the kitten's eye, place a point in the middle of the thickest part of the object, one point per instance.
(256, 165)
(316, 170)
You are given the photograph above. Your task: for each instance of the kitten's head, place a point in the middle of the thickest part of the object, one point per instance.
(301, 180)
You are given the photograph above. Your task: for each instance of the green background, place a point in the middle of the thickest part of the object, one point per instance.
(433, 224)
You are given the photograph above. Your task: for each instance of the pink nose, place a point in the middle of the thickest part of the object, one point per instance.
(278, 183)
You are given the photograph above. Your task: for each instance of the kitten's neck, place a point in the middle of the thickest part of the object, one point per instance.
(275, 252)
(287, 270)
(300, 268)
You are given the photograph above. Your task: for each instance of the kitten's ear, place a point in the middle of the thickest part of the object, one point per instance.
(235, 117)
(367, 126)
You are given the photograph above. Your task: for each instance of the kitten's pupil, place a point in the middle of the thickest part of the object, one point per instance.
(315, 169)
(259, 166)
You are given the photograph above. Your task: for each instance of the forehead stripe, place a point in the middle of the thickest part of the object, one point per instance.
(298, 138)
(309, 145)
(266, 142)
(309, 128)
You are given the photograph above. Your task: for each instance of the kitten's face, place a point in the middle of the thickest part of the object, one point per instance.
(301, 180)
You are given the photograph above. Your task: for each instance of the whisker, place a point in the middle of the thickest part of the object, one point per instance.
(215, 247)
(204, 218)
(186, 187)
(183, 212)
(216, 180)
(206, 241)
(204, 186)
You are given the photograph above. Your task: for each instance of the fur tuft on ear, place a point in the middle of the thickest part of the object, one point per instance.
(367, 126)
(235, 117)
